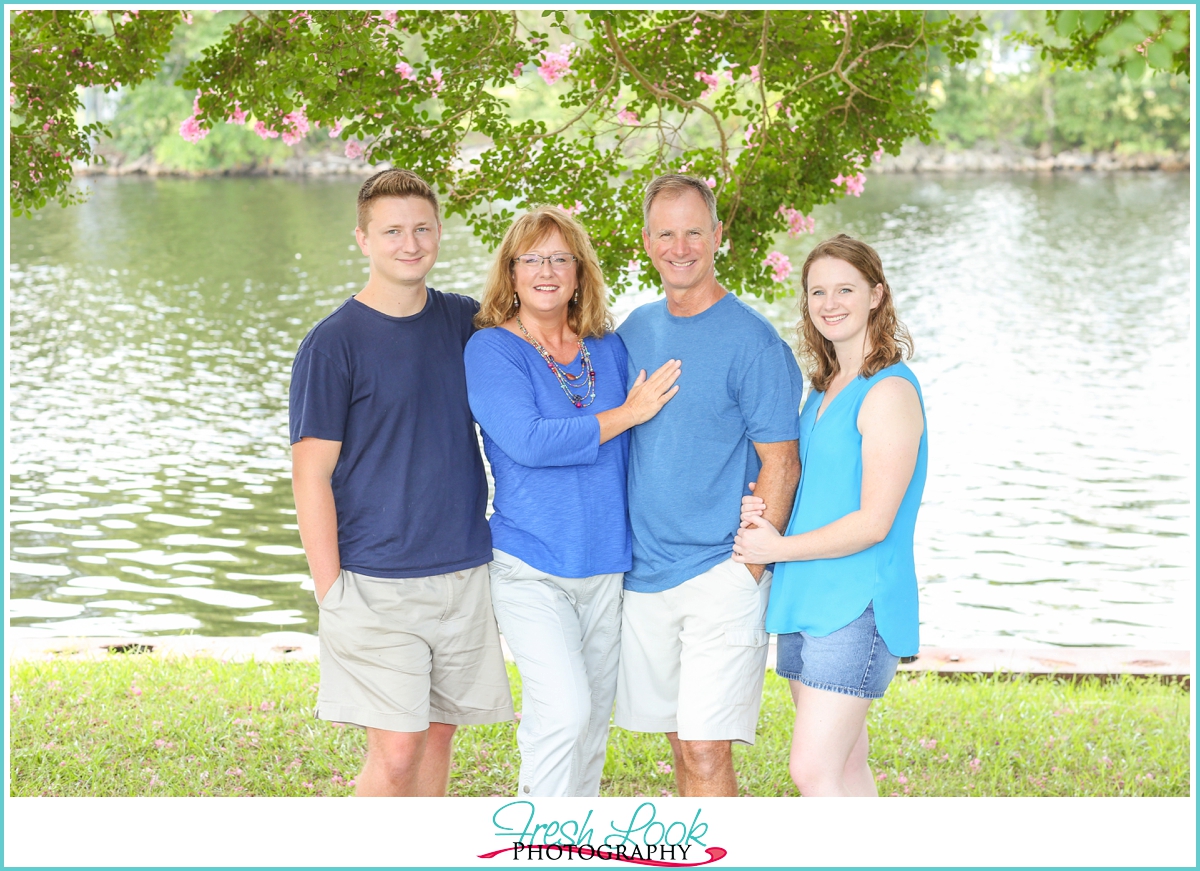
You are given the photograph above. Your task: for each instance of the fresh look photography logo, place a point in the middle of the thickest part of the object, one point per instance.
(645, 838)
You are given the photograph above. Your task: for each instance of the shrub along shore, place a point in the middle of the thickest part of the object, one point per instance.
(197, 726)
(915, 157)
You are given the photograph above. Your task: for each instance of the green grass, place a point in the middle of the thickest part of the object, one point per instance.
(144, 725)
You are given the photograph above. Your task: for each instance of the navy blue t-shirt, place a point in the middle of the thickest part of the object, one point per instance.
(409, 484)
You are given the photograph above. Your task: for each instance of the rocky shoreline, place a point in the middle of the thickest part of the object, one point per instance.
(936, 158)
(915, 157)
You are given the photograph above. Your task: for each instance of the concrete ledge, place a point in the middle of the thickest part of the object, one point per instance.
(1065, 662)
(1069, 662)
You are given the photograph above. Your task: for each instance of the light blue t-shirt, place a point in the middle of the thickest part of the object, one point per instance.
(690, 464)
(560, 494)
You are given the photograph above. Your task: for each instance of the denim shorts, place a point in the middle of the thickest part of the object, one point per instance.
(852, 660)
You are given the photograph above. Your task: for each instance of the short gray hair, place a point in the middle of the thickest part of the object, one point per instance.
(673, 185)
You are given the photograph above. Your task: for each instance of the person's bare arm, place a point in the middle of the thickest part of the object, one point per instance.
(891, 424)
(776, 486)
(313, 461)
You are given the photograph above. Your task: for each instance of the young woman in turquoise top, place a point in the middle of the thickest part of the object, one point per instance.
(844, 598)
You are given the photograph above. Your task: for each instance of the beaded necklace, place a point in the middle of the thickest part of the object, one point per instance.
(568, 382)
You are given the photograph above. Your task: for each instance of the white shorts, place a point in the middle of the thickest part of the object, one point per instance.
(693, 657)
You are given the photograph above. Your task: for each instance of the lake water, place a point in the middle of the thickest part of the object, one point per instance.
(152, 331)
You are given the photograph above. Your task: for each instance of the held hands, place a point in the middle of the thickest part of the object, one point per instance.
(648, 395)
(756, 539)
(752, 506)
(757, 542)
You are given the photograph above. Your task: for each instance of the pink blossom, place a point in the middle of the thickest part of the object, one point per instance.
(779, 264)
(901, 779)
(797, 223)
(854, 183)
(749, 134)
(187, 17)
(238, 116)
(755, 75)
(134, 690)
(664, 767)
(353, 150)
(336, 129)
(710, 80)
(159, 742)
(517, 70)
(878, 152)
(881, 776)
(573, 210)
(436, 78)
(627, 116)
(555, 65)
(633, 266)
(265, 132)
(297, 127)
(405, 71)
(711, 182)
(975, 764)
(191, 130)
(928, 743)
(389, 15)
(267, 706)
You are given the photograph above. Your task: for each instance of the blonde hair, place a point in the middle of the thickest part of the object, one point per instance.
(587, 317)
(393, 183)
(889, 339)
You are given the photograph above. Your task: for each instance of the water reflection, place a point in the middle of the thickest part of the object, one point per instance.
(153, 329)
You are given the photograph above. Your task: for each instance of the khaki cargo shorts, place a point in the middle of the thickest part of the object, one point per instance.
(399, 653)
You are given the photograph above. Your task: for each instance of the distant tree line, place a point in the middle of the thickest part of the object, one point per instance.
(1021, 91)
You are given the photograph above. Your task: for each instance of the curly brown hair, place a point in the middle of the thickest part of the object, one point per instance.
(588, 317)
(889, 340)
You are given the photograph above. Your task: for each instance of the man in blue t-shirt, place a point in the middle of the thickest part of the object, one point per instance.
(390, 499)
(693, 647)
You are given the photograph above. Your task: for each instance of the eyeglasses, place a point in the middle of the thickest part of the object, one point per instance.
(534, 261)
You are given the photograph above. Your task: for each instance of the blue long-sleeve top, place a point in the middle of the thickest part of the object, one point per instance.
(560, 500)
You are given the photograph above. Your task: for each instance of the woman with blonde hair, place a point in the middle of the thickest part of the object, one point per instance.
(546, 381)
(844, 598)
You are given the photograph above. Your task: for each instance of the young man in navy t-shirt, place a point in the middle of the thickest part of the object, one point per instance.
(390, 498)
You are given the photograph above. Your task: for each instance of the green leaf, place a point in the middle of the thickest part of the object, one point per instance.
(1135, 67)
(1159, 56)
(1092, 19)
(1066, 22)
(1147, 19)
(1173, 40)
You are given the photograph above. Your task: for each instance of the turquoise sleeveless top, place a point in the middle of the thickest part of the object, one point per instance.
(821, 596)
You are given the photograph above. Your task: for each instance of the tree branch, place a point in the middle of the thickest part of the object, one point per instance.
(662, 92)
